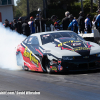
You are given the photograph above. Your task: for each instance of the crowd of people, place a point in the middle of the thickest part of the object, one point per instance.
(82, 24)
(69, 22)
(25, 27)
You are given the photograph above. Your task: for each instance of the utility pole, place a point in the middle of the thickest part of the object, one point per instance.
(98, 4)
(27, 8)
(44, 7)
(81, 5)
(91, 9)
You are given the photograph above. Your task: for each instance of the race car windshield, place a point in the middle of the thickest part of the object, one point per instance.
(47, 38)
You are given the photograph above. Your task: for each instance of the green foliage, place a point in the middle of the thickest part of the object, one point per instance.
(57, 12)
(87, 6)
(21, 8)
(17, 12)
(76, 8)
(55, 7)
(33, 13)
(57, 2)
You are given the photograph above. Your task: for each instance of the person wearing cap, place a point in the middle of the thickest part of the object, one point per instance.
(73, 26)
(19, 25)
(31, 25)
(65, 21)
(81, 23)
(97, 22)
(88, 25)
(57, 22)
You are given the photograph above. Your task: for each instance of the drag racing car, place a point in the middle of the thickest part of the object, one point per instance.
(57, 51)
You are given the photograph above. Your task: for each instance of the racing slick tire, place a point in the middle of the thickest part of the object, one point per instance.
(20, 61)
(48, 69)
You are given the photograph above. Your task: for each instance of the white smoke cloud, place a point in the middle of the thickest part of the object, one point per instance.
(9, 40)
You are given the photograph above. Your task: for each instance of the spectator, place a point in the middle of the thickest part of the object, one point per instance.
(19, 25)
(81, 23)
(31, 25)
(11, 25)
(15, 26)
(97, 23)
(26, 28)
(88, 25)
(57, 22)
(37, 23)
(93, 22)
(6, 23)
(65, 21)
(73, 26)
(37, 17)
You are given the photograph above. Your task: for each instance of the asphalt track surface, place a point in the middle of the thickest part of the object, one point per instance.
(72, 86)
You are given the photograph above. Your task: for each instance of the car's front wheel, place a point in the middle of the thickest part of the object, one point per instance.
(48, 69)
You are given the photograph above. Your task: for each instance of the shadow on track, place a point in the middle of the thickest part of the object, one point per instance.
(68, 73)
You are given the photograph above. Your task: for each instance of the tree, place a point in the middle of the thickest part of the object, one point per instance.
(22, 6)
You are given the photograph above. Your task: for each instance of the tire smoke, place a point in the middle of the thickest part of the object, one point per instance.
(9, 40)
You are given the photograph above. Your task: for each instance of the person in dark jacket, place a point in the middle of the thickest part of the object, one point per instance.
(57, 22)
(15, 26)
(73, 26)
(66, 21)
(19, 25)
(81, 23)
(37, 23)
(88, 25)
(6, 24)
(11, 26)
(97, 21)
(31, 25)
(26, 28)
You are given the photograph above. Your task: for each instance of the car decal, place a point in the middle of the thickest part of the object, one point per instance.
(73, 45)
(66, 48)
(88, 45)
(39, 52)
(34, 59)
(80, 49)
(76, 44)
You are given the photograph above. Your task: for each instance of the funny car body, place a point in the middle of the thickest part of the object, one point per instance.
(57, 51)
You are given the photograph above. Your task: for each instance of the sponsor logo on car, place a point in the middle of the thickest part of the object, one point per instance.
(76, 44)
(54, 68)
(29, 55)
(60, 67)
(80, 48)
(71, 41)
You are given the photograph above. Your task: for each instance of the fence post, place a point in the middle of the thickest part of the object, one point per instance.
(52, 27)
